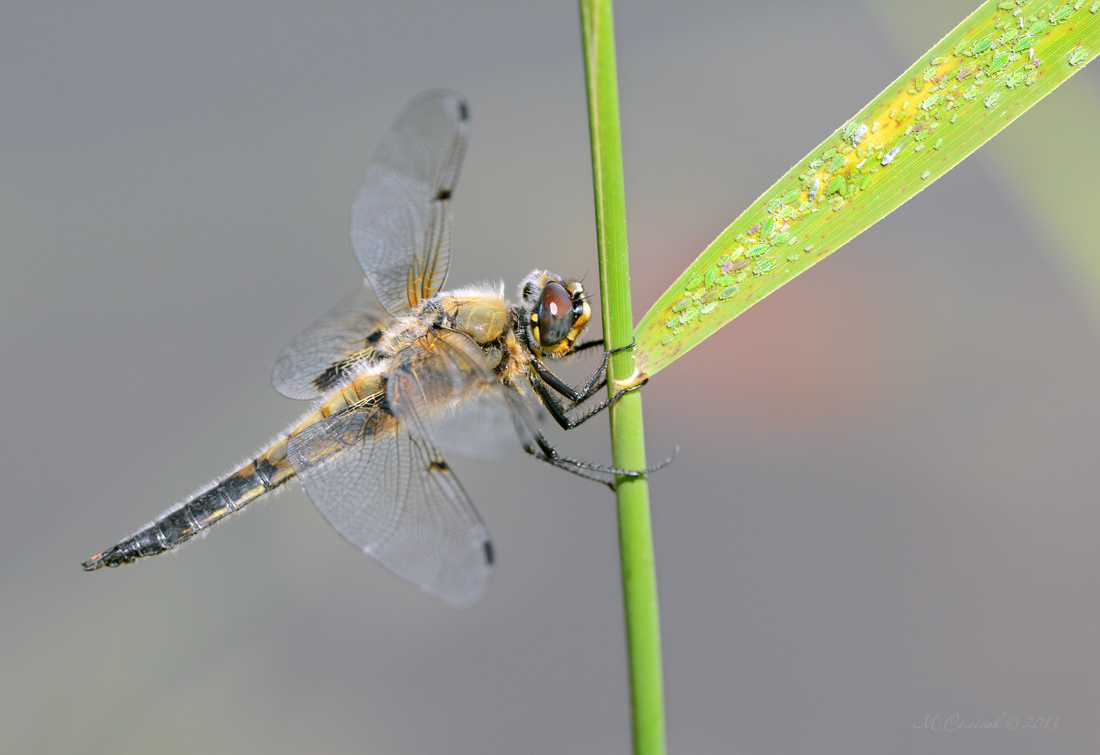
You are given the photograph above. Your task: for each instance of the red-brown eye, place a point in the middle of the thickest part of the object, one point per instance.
(555, 313)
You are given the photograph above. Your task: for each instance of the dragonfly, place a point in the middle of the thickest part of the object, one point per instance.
(400, 372)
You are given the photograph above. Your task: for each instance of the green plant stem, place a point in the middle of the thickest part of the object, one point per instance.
(643, 632)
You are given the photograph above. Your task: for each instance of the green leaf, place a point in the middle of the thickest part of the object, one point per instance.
(979, 78)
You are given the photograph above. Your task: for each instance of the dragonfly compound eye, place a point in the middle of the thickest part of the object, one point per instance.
(555, 314)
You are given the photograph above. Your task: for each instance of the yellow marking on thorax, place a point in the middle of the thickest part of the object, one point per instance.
(484, 318)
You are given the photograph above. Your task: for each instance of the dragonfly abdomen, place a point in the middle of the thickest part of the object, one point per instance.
(261, 475)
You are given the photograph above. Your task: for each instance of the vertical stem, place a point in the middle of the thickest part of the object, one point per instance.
(643, 632)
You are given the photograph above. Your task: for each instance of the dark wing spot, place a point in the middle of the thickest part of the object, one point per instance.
(330, 377)
(336, 372)
(463, 110)
(488, 552)
(438, 466)
(443, 194)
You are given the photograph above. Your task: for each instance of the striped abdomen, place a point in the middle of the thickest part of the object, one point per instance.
(261, 475)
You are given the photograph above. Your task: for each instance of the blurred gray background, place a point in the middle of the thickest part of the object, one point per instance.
(885, 504)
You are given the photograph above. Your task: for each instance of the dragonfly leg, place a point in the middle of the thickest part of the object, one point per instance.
(560, 412)
(541, 449)
(597, 380)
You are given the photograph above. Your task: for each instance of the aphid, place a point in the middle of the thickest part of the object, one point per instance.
(765, 265)
(767, 226)
(1037, 29)
(711, 275)
(1078, 55)
(756, 251)
(774, 205)
(926, 174)
(836, 163)
(991, 100)
(694, 282)
(780, 239)
(889, 156)
(981, 46)
(1060, 15)
(790, 196)
(858, 134)
(815, 184)
(681, 305)
(836, 185)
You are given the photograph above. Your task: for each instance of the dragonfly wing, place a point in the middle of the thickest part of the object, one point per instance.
(394, 496)
(443, 389)
(322, 356)
(401, 219)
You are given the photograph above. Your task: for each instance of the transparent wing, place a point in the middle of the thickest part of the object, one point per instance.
(443, 389)
(322, 356)
(395, 497)
(401, 220)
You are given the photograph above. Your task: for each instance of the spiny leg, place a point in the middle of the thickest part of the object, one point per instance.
(560, 412)
(596, 381)
(541, 449)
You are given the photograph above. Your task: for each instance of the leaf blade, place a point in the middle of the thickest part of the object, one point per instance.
(983, 75)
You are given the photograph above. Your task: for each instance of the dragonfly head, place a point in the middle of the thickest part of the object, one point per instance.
(553, 313)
